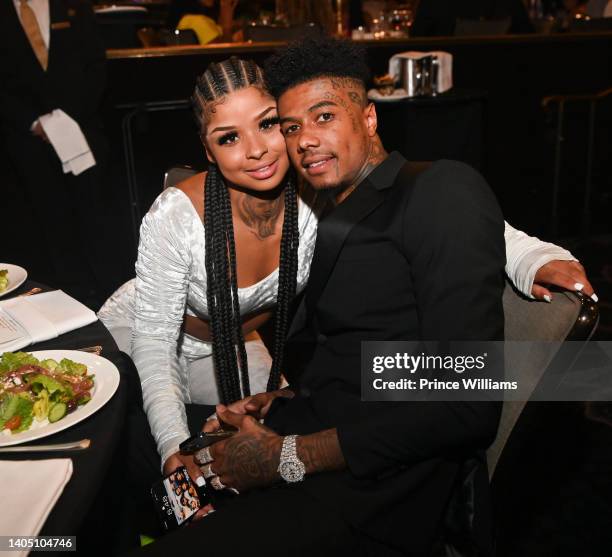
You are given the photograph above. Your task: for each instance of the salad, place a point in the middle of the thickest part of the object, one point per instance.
(3, 279)
(33, 390)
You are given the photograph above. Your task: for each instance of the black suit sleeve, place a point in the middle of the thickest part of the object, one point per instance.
(454, 239)
(91, 79)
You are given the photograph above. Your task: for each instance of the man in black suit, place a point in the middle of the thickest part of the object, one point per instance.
(407, 253)
(53, 60)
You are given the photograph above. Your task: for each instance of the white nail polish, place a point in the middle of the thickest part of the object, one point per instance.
(594, 297)
(200, 481)
(547, 298)
(210, 511)
(578, 286)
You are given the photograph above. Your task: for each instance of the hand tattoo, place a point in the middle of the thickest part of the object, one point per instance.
(250, 459)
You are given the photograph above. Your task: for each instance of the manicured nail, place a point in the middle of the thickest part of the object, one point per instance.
(200, 481)
(594, 297)
(210, 511)
(578, 286)
(547, 298)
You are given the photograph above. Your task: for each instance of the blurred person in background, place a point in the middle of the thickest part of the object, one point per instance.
(211, 20)
(52, 76)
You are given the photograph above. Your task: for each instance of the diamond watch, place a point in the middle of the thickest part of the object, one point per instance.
(290, 467)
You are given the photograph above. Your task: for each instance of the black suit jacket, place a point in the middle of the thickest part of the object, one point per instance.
(73, 82)
(396, 261)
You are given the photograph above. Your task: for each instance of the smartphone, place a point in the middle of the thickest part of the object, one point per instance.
(203, 439)
(177, 498)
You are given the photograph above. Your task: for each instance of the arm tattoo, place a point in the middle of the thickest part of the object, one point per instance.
(320, 452)
(260, 215)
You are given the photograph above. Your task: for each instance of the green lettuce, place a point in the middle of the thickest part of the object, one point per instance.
(3, 279)
(49, 364)
(13, 360)
(16, 405)
(71, 368)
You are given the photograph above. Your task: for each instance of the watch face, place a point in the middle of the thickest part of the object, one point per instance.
(292, 471)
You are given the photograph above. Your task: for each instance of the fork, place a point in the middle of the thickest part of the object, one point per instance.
(56, 447)
(31, 292)
(97, 350)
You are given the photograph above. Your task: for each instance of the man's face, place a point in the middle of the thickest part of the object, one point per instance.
(328, 129)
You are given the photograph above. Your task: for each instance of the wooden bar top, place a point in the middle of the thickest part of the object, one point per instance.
(228, 49)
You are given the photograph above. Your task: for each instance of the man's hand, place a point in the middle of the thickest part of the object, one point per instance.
(38, 131)
(565, 274)
(256, 406)
(250, 457)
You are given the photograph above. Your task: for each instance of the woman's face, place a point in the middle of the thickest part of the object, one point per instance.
(243, 138)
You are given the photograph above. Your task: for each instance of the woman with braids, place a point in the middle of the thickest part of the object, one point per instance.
(218, 256)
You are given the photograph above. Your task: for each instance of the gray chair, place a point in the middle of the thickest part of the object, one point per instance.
(177, 174)
(535, 461)
(570, 316)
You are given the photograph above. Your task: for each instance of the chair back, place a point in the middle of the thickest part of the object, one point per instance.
(570, 316)
(178, 174)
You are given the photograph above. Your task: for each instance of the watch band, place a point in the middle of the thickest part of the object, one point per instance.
(290, 467)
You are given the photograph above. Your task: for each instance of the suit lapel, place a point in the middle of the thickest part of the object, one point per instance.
(15, 35)
(331, 235)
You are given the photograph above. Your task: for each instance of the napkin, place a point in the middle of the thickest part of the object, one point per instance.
(68, 141)
(445, 66)
(30, 489)
(28, 319)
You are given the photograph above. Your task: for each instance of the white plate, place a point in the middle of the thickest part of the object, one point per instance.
(106, 381)
(397, 95)
(16, 276)
(120, 9)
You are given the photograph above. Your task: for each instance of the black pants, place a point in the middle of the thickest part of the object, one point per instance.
(282, 520)
(279, 521)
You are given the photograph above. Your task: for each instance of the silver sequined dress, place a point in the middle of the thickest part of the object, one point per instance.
(145, 315)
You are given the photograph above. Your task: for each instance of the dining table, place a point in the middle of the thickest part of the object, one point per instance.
(103, 429)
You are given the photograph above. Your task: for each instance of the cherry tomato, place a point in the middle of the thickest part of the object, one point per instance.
(13, 423)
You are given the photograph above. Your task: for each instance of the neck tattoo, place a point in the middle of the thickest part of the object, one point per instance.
(376, 155)
(260, 215)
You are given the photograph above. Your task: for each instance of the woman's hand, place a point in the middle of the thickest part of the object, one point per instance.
(255, 405)
(565, 274)
(177, 460)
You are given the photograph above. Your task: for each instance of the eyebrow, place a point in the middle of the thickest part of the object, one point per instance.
(321, 105)
(314, 107)
(258, 117)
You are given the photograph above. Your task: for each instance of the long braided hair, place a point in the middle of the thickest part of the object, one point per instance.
(229, 353)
